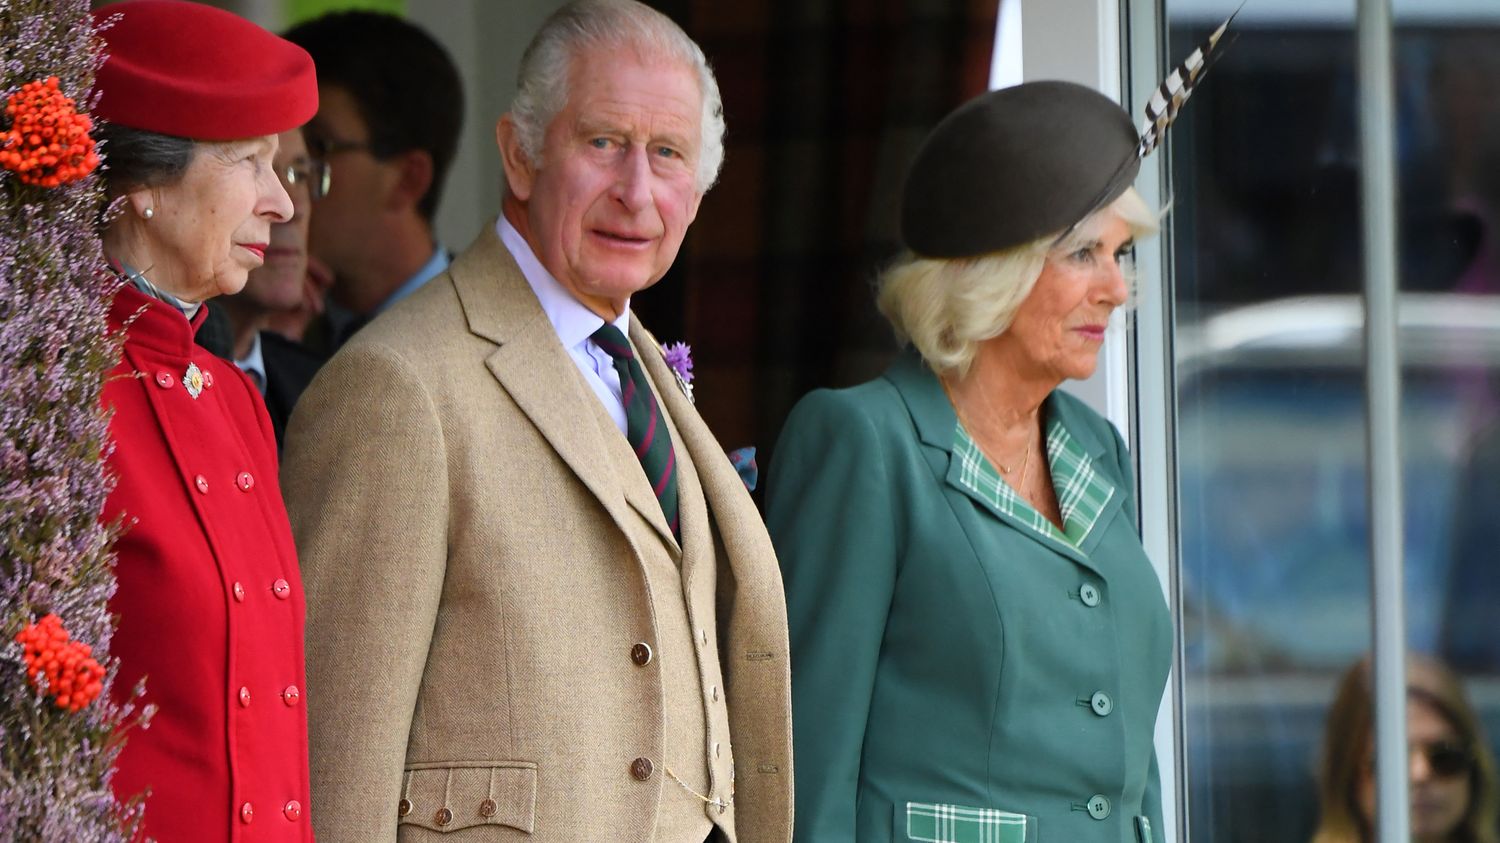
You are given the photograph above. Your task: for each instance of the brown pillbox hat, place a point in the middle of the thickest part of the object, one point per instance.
(1014, 165)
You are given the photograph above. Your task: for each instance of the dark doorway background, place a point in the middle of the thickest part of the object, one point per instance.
(826, 103)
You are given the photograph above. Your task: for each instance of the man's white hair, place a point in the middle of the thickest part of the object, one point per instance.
(585, 25)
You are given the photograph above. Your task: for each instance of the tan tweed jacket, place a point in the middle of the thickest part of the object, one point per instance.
(472, 557)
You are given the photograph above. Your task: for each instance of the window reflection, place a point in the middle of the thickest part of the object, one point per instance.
(1273, 527)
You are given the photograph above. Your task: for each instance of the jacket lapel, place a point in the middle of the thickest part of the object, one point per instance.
(537, 372)
(935, 422)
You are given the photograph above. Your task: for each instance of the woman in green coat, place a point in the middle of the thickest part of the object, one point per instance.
(979, 643)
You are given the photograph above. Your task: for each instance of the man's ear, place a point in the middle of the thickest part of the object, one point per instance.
(519, 172)
(413, 179)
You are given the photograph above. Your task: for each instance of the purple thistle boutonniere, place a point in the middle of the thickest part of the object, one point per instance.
(679, 357)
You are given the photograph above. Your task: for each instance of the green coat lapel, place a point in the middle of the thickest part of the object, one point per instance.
(934, 420)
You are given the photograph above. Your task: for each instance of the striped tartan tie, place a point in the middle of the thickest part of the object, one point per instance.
(643, 427)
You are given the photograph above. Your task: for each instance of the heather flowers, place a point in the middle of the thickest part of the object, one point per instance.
(60, 731)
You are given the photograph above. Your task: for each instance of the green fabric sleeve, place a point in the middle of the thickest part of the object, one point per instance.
(830, 515)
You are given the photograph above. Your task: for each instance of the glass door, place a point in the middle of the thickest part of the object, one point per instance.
(1267, 398)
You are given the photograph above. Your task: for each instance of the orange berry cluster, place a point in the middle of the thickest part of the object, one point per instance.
(48, 143)
(74, 678)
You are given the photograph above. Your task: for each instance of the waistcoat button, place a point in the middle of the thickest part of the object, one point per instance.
(640, 768)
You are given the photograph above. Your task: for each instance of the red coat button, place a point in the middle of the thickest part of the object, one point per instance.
(165, 380)
(239, 592)
(291, 695)
(292, 810)
(281, 589)
(244, 697)
(202, 483)
(247, 813)
(208, 379)
(245, 481)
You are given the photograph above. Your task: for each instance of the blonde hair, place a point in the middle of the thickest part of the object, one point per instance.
(1346, 750)
(946, 307)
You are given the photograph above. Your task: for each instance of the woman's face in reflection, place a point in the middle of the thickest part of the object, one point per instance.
(1439, 795)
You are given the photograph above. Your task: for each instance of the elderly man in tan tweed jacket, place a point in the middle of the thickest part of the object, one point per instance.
(541, 604)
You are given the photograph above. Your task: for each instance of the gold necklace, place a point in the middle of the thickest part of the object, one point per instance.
(1005, 470)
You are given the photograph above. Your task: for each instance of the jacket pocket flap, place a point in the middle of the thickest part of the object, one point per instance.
(454, 796)
(937, 823)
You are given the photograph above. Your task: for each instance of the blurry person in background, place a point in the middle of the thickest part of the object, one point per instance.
(294, 323)
(209, 599)
(1455, 796)
(389, 113)
(279, 367)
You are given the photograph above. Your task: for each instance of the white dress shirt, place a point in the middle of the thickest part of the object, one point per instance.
(573, 323)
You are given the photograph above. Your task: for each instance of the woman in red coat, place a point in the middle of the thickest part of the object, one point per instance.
(209, 602)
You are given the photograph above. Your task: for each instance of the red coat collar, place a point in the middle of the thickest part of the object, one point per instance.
(154, 323)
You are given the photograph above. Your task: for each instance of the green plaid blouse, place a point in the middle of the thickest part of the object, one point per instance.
(1081, 492)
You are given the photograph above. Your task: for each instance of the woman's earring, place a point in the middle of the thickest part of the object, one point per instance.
(148, 213)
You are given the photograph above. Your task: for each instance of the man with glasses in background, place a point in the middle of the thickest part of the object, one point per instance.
(280, 367)
(390, 107)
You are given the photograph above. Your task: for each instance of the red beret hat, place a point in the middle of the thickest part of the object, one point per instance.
(180, 68)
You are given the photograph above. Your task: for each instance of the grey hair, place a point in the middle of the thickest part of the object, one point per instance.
(542, 84)
(946, 307)
(136, 158)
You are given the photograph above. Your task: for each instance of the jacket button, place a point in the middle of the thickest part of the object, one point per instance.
(208, 379)
(443, 816)
(244, 697)
(202, 483)
(640, 768)
(1101, 703)
(487, 808)
(1089, 595)
(1098, 807)
(292, 810)
(165, 380)
(239, 592)
(282, 589)
(291, 695)
(247, 813)
(403, 808)
(245, 481)
(641, 654)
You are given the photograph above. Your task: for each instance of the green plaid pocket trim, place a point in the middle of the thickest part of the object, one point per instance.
(934, 823)
(1081, 493)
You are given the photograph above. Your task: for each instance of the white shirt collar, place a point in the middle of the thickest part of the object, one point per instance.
(254, 361)
(573, 322)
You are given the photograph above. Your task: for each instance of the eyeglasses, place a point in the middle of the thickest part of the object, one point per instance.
(312, 173)
(325, 148)
(1445, 759)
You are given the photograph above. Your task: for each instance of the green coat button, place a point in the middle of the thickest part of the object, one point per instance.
(1098, 807)
(1089, 595)
(1101, 703)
